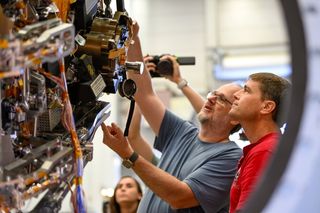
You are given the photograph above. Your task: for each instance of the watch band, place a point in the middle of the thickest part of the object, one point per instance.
(133, 157)
(182, 83)
(129, 162)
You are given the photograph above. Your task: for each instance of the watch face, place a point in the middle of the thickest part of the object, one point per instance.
(127, 163)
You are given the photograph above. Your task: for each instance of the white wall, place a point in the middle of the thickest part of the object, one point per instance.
(176, 27)
(248, 22)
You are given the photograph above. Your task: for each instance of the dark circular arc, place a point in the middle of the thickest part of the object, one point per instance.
(268, 183)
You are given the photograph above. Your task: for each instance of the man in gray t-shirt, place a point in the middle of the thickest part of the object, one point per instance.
(207, 168)
(197, 166)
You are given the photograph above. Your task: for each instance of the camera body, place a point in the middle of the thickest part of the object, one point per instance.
(165, 67)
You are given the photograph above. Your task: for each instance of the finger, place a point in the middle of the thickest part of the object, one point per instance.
(106, 134)
(116, 128)
(165, 57)
(147, 59)
(150, 66)
(119, 133)
(171, 57)
(146, 56)
(106, 130)
(104, 127)
(151, 69)
(111, 130)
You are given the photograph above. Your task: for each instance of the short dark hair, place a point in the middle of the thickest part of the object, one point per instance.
(275, 88)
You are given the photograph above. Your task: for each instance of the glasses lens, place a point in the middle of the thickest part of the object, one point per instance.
(220, 98)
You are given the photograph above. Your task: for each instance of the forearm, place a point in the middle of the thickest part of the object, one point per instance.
(137, 142)
(141, 146)
(143, 81)
(196, 100)
(175, 192)
(149, 103)
(134, 129)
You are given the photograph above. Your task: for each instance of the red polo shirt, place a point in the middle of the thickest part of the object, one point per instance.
(252, 163)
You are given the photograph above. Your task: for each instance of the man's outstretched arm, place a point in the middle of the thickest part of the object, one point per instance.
(175, 192)
(150, 104)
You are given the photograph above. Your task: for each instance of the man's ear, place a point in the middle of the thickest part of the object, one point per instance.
(268, 107)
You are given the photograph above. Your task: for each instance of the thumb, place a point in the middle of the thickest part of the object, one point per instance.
(106, 130)
(117, 130)
(115, 127)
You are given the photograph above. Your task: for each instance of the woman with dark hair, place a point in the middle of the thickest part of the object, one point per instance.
(127, 196)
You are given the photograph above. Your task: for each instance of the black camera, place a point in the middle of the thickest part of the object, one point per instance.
(165, 67)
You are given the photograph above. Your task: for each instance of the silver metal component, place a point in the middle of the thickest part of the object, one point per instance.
(49, 119)
(20, 116)
(46, 41)
(99, 119)
(6, 150)
(37, 97)
(136, 67)
(35, 126)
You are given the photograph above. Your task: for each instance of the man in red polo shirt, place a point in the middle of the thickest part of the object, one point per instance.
(256, 107)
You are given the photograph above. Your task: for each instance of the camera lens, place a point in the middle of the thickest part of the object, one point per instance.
(127, 88)
(165, 67)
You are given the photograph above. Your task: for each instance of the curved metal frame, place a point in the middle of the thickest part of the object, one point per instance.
(279, 162)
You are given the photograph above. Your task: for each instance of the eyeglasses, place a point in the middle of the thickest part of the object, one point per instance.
(220, 97)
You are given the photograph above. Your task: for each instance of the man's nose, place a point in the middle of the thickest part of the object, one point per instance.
(212, 99)
(236, 95)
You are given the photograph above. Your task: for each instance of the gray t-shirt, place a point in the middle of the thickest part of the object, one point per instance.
(208, 168)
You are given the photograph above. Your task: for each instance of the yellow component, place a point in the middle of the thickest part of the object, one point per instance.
(90, 69)
(35, 177)
(122, 59)
(4, 44)
(20, 83)
(116, 53)
(34, 59)
(64, 7)
(77, 181)
(20, 5)
(76, 144)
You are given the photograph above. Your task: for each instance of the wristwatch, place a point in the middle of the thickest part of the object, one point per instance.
(129, 162)
(182, 83)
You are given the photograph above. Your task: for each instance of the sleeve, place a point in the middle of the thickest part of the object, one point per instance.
(211, 182)
(250, 175)
(172, 127)
(155, 160)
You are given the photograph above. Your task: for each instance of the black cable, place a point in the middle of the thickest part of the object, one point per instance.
(131, 110)
(120, 6)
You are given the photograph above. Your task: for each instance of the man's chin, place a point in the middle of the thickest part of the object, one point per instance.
(202, 118)
(233, 115)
